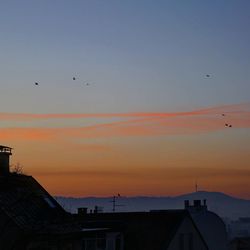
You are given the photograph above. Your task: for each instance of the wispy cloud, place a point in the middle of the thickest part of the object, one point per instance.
(227, 109)
(135, 124)
(28, 117)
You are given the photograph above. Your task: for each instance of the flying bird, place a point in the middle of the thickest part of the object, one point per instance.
(223, 114)
(86, 83)
(230, 126)
(74, 78)
(36, 83)
(207, 75)
(226, 125)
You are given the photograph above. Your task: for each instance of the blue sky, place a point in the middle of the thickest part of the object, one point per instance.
(140, 55)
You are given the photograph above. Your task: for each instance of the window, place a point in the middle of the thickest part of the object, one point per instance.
(181, 241)
(118, 243)
(101, 244)
(89, 244)
(67, 247)
(50, 203)
(190, 241)
(94, 244)
(110, 244)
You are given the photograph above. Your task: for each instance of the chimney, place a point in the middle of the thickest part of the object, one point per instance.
(5, 153)
(205, 202)
(186, 202)
(98, 210)
(82, 210)
(197, 203)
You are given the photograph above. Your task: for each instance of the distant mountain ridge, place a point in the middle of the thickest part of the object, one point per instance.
(224, 205)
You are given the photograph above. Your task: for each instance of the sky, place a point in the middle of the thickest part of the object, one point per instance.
(155, 84)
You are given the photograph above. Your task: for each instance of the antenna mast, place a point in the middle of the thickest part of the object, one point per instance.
(114, 204)
(196, 186)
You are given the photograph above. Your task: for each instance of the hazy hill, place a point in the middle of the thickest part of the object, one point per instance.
(222, 204)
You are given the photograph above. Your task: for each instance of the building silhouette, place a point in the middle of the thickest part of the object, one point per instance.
(31, 219)
(211, 226)
(154, 230)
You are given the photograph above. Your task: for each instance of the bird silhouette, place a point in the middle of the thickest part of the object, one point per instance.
(223, 114)
(74, 78)
(207, 75)
(86, 83)
(36, 83)
(226, 125)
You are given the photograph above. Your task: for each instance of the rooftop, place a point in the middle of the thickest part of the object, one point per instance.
(26, 203)
(156, 228)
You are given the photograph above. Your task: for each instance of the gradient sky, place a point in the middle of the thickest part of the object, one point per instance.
(150, 122)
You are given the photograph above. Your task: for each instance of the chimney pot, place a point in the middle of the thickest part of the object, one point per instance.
(5, 153)
(186, 203)
(82, 210)
(197, 203)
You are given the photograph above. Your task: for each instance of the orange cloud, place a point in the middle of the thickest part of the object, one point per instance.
(88, 147)
(67, 159)
(142, 124)
(25, 117)
(27, 133)
(226, 109)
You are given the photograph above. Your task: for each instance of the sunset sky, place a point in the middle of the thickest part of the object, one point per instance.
(164, 77)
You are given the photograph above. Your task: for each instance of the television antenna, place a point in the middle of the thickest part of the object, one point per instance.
(114, 202)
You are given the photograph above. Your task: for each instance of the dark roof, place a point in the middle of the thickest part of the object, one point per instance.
(26, 203)
(142, 230)
(28, 213)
